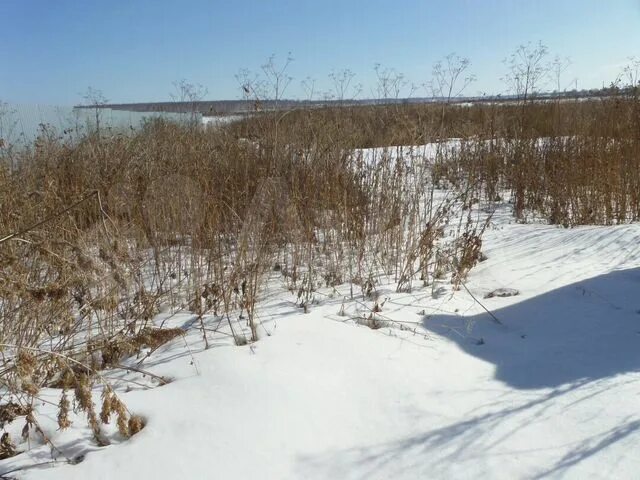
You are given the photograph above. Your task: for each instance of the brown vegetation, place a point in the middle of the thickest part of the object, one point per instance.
(196, 219)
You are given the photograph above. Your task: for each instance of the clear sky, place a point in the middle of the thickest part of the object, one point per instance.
(133, 50)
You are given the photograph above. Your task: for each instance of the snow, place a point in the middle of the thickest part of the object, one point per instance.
(219, 120)
(443, 392)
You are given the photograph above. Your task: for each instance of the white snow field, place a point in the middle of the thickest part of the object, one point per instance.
(442, 392)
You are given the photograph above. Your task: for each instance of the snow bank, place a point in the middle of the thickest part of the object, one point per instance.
(441, 392)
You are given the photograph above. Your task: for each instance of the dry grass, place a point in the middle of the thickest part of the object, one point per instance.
(190, 219)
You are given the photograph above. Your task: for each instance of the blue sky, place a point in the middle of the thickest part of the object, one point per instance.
(133, 50)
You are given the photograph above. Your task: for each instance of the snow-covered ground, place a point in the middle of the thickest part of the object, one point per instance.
(443, 391)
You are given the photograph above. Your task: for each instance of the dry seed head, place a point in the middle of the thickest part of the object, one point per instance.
(10, 411)
(26, 364)
(107, 405)
(7, 447)
(63, 411)
(136, 423)
(85, 402)
(121, 412)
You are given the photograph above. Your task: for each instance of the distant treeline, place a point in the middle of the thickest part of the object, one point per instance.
(229, 107)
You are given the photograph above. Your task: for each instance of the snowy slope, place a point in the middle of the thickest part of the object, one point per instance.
(553, 392)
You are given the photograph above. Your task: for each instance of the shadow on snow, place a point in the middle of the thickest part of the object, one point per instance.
(568, 343)
(588, 330)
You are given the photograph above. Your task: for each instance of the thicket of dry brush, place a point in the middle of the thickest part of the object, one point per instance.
(183, 218)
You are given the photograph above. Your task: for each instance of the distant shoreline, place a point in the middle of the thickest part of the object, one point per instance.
(213, 108)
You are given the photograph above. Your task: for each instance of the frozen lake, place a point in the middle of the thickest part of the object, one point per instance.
(21, 123)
